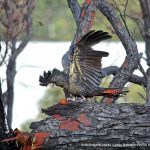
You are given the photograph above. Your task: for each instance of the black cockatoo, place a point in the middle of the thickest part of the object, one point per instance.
(84, 74)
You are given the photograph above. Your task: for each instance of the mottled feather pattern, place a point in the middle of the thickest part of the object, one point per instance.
(84, 65)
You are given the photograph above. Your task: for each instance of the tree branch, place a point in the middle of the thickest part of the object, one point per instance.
(132, 59)
(145, 6)
(3, 128)
(86, 19)
(15, 51)
(84, 25)
(2, 115)
(139, 22)
(123, 17)
(28, 28)
(113, 70)
(138, 80)
(79, 125)
(148, 85)
(75, 9)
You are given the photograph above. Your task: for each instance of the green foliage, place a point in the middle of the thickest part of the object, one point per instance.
(53, 20)
(130, 14)
(134, 96)
(51, 97)
(26, 124)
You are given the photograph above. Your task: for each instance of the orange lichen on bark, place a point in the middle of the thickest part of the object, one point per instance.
(20, 136)
(83, 13)
(78, 39)
(125, 63)
(63, 101)
(92, 18)
(71, 125)
(39, 138)
(109, 101)
(29, 141)
(84, 119)
(88, 1)
(84, 30)
(58, 117)
(24, 138)
(68, 124)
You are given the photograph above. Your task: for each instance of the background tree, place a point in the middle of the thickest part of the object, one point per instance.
(16, 25)
(144, 27)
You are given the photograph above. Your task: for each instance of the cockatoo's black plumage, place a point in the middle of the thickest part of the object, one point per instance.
(83, 66)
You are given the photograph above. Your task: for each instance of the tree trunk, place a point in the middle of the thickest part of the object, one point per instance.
(3, 129)
(11, 72)
(145, 6)
(84, 125)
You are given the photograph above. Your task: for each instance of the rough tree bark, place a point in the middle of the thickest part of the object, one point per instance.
(145, 30)
(145, 6)
(94, 126)
(3, 128)
(84, 20)
(132, 59)
(86, 125)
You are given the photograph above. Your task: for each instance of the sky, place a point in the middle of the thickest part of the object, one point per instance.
(40, 56)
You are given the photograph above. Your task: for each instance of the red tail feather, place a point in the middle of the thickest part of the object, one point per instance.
(113, 92)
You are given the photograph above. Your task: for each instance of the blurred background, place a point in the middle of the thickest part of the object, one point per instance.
(53, 31)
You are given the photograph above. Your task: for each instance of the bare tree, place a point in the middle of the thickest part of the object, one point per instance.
(16, 22)
(145, 32)
(3, 128)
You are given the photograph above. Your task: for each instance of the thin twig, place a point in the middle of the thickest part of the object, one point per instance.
(142, 70)
(123, 18)
(139, 23)
(148, 11)
(75, 9)
(125, 9)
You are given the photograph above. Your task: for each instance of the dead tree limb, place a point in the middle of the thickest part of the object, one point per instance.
(132, 59)
(75, 9)
(84, 21)
(113, 70)
(145, 6)
(91, 125)
(3, 128)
